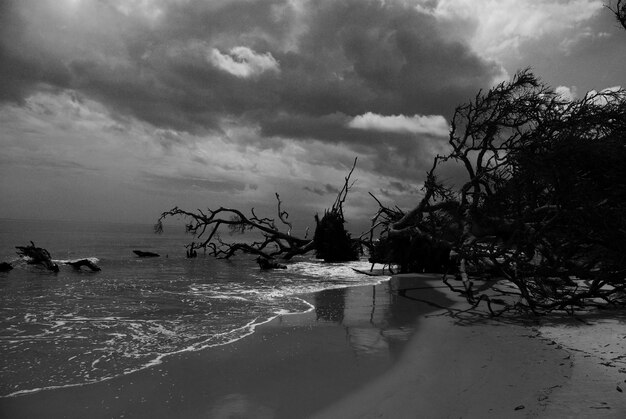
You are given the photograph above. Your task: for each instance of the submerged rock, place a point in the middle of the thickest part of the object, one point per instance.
(269, 264)
(142, 254)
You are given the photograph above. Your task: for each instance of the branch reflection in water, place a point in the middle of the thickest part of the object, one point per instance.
(377, 320)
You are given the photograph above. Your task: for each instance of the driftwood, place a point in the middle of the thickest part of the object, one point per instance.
(142, 254)
(79, 263)
(330, 242)
(34, 255)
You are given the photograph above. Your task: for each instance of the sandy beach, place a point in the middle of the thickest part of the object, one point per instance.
(387, 351)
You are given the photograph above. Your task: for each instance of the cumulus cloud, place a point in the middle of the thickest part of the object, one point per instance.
(278, 87)
(243, 62)
(417, 124)
(326, 57)
(606, 96)
(567, 93)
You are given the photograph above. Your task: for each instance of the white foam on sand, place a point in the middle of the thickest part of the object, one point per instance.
(326, 276)
(219, 339)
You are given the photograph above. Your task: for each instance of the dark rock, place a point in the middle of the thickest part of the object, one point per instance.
(142, 254)
(269, 264)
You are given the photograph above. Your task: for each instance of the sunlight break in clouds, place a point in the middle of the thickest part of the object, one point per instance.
(503, 25)
(242, 62)
(417, 124)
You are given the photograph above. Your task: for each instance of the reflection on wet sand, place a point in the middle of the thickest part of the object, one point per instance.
(290, 367)
(376, 324)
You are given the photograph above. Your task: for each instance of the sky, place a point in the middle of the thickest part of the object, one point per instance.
(117, 110)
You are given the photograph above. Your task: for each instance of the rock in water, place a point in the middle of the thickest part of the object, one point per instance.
(269, 264)
(142, 254)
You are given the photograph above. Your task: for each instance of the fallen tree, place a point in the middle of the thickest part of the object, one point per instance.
(331, 241)
(89, 263)
(543, 202)
(34, 255)
(41, 257)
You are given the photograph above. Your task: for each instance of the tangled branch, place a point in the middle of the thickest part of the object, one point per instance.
(205, 226)
(543, 202)
(619, 10)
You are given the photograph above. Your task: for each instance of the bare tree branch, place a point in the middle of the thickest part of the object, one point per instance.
(619, 10)
(543, 202)
(206, 226)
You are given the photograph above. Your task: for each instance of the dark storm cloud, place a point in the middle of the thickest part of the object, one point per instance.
(325, 63)
(21, 70)
(394, 58)
(401, 187)
(395, 189)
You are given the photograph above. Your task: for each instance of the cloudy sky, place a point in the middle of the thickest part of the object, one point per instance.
(115, 110)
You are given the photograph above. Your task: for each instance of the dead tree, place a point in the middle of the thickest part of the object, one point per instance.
(89, 263)
(544, 197)
(422, 239)
(206, 226)
(34, 255)
(331, 240)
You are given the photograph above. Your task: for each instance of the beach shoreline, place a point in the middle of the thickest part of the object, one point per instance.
(267, 371)
(387, 350)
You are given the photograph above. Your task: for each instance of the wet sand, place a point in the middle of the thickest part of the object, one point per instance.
(378, 351)
(290, 367)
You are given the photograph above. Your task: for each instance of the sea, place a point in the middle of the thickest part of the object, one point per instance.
(77, 327)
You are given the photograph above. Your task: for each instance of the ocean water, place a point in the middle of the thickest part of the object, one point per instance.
(77, 327)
